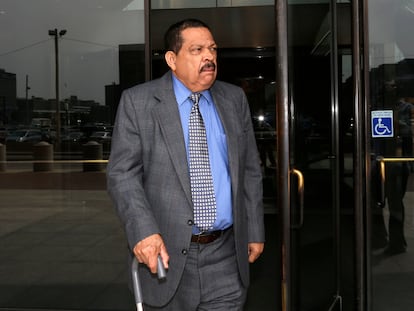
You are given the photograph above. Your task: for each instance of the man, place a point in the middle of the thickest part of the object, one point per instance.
(391, 237)
(150, 180)
(397, 174)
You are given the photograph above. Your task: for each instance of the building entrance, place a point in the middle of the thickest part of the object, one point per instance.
(336, 151)
(318, 209)
(391, 80)
(308, 240)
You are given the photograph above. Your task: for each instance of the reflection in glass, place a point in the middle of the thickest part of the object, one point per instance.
(392, 89)
(61, 244)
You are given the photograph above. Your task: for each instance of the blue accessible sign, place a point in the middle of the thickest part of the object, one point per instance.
(382, 124)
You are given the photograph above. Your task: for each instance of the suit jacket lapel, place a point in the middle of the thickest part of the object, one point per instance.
(168, 117)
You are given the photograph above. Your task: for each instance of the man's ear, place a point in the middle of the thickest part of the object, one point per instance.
(170, 59)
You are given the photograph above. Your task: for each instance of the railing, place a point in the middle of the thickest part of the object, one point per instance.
(382, 172)
(43, 158)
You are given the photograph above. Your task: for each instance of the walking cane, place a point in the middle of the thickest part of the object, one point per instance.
(136, 283)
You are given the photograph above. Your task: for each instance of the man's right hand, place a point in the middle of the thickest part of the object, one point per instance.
(148, 249)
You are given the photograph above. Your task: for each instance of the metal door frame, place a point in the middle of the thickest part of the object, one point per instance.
(282, 147)
(361, 142)
(361, 158)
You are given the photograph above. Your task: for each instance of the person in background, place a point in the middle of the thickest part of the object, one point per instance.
(391, 237)
(397, 174)
(151, 180)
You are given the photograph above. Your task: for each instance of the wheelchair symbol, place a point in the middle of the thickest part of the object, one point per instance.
(381, 129)
(382, 123)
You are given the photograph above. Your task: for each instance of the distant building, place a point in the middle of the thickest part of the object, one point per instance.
(131, 72)
(112, 97)
(8, 94)
(131, 65)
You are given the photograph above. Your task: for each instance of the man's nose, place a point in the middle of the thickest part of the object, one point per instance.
(208, 54)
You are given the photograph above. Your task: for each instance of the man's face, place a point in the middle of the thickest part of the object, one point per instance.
(195, 65)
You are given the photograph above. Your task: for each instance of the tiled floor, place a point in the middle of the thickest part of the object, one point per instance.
(393, 276)
(63, 248)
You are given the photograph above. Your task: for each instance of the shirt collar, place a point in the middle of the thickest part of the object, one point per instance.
(182, 92)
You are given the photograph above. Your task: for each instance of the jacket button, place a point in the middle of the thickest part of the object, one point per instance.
(190, 222)
(184, 252)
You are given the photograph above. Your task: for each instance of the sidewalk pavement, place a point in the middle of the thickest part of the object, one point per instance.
(62, 246)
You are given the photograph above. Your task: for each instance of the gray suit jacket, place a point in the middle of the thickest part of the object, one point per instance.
(148, 178)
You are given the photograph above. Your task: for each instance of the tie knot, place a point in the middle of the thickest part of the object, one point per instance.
(195, 97)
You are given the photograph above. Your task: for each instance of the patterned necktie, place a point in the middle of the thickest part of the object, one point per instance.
(202, 190)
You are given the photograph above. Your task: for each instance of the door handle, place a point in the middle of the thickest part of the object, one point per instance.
(301, 190)
(381, 199)
(381, 160)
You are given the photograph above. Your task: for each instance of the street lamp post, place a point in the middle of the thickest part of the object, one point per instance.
(57, 34)
(27, 120)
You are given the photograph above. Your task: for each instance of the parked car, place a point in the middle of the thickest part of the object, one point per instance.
(3, 135)
(73, 141)
(24, 136)
(101, 137)
(49, 135)
(74, 137)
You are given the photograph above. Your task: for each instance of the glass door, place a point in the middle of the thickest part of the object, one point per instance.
(317, 248)
(305, 143)
(313, 154)
(391, 99)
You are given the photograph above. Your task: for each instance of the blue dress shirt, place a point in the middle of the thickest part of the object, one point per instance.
(217, 147)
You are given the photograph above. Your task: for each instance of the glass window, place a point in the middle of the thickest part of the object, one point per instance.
(185, 4)
(391, 73)
(61, 244)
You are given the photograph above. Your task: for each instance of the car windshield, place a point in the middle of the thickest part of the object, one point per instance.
(98, 134)
(75, 134)
(18, 133)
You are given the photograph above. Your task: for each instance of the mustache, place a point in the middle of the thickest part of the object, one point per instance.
(208, 65)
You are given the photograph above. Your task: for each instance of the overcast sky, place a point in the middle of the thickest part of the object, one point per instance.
(95, 28)
(88, 51)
